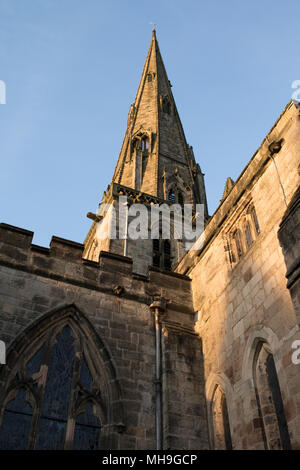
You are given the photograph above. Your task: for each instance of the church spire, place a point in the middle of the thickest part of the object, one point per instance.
(155, 165)
(155, 157)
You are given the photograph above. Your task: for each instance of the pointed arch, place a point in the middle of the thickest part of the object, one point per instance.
(265, 375)
(64, 342)
(269, 400)
(219, 396)
(257, 334)
(177, 191)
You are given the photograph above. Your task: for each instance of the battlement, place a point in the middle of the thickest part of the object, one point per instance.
(112, 274)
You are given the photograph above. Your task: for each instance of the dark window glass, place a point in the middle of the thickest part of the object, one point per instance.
(166, 105)
(238, 244)
(51, 434)
(171, 195)
(167, 247)
(248, 234)
(231, 253)
(167, 263)
(134, 144)
(34, 364)
(57, 393)
(85, 375)
(145, 143)
(155, 244)
(227, 433)
(255, 220)
(59, 377)
(15, 428)
(87, 430)
(156, 260)
(180, 199)
(144, 164)
(278, 404)
(221, 428)
(53, 393)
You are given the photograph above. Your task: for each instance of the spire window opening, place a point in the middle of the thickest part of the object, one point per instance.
(167, 255)
(145, 143)
(166, 105)
(167, 247)
(180, 199)
(156, 260)
(156, 245)
(156, 252)
(162, 254)
(171, 195)
(134, 144)
(167, 263)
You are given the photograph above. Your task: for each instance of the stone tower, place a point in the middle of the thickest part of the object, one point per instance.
(155, 166)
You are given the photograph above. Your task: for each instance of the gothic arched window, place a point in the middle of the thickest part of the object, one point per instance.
(156, 253)
(238, 243)
(248, 234)
(145, 143)
(166, 105)
(167, 255)
(269, 400)
(167, 248)
(16, 421)
(162, 254)
(180, 198)
(54, 397)
(222, 436)
(255, 220)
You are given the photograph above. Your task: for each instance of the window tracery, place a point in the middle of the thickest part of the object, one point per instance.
(242, 234)
(53, 400)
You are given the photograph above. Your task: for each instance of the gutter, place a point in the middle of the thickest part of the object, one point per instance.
(158, 307)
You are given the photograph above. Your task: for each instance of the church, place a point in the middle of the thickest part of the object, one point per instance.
(121, 343)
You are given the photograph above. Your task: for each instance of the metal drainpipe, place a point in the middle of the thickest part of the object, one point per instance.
(158, 306)
(275, 148)
(279, 179)
(126, 230)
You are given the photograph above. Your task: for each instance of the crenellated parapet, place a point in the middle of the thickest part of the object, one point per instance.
(63, 261)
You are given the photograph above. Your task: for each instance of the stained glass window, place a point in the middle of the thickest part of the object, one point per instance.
(85, 375)
(34, 364)
(87, 430)
(59, 377)
(14, 431)
(65, 366)
(51, 434)
(57, 393)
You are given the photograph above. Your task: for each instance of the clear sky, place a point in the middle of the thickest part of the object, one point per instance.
(72, 68)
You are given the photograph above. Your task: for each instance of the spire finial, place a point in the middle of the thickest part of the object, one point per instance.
(154, 24)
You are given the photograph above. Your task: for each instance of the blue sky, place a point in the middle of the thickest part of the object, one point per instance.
(72, 68)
